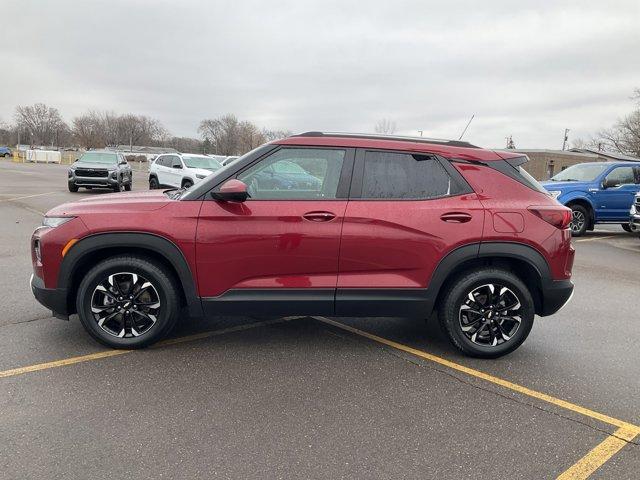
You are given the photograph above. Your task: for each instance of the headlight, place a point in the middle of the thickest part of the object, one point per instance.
(201, 176)
(555, 193)
(55, 221)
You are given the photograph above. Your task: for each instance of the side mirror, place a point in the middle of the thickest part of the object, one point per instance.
(231, 191)
(609, 183)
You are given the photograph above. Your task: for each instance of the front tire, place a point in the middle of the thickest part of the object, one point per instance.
(187, 184)
(626, 227)
(118, 186)
(73, 187)
(153, 183)
(487, 313)
(579, 220)
(128, 302)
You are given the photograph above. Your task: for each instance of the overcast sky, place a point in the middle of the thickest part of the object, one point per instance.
(524, 68)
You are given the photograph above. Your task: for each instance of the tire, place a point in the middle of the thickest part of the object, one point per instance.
(187, 184)
(73, 187)
(118, 186)
(626, 227)
(474, 334)
(579, 220)
(117, 274)
(153, 183)
(127, 187)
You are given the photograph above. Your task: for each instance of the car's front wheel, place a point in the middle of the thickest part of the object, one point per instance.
(153, 183)
(128, 302)
(73, 187)
(579, 220)
(626, 227)
(187, 184)
(487, 313)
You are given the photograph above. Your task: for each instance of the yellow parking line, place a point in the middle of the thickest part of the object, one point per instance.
(599, 455)
(594, 238)
(112, 353)
(489, 378)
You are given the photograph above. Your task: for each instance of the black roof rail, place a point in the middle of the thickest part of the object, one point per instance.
(374, 136)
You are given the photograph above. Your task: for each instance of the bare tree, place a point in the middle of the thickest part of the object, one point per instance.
(222, 132)
(42, 125)
(385, 126)
(624, 136)
(271, 135)
(100, 129)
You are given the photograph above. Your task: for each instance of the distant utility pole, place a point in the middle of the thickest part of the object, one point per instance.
(566, 138)
(465, 128)
(510, 144)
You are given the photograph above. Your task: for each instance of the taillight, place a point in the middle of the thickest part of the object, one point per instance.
(556, 215)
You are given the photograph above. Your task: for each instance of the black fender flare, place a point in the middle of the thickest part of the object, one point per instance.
(474, 251)
(139, 240)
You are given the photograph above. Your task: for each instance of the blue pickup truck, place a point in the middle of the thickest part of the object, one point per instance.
(598, 192)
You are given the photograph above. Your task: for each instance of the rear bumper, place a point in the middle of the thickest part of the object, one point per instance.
(54, 299)
(555, 295)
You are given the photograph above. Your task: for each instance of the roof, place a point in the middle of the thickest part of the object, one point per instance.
(612, 155)
(446, 148)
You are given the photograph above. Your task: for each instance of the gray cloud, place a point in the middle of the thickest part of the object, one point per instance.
(527, 68)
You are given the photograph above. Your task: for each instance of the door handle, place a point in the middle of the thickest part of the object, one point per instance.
(319, 216)
(455, 217)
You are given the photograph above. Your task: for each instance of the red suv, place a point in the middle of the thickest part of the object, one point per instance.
(318, 224)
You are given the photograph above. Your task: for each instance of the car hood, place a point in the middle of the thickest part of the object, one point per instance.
(114, 203)
(96, 166)
(201, 171)
(562, 185)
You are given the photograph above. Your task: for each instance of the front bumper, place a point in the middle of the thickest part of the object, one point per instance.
(555, 295)
(634, 223)
(54, 299)
(93, 181)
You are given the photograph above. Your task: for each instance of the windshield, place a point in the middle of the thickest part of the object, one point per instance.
(99, 157)
(583, 172)
(207, 163)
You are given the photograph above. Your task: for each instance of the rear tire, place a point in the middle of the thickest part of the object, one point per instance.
(626, 227)
(108, 293)
(505, 312)
(579, 220)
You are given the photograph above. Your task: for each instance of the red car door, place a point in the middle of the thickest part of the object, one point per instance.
(277, 252)
(405, 213)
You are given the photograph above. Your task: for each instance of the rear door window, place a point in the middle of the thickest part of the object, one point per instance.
(389, 175)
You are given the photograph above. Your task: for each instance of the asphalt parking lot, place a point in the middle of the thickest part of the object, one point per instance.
(313, 397)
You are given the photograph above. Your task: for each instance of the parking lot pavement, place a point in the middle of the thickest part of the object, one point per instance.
(305, 397)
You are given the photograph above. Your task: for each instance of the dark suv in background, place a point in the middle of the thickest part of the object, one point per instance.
(101, 169)
(391, 226)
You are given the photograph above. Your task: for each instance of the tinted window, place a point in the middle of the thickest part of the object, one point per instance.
(175, 161)
(623, 175)
(295, 174)
(399, 175)
(581, 172)
(162, 161)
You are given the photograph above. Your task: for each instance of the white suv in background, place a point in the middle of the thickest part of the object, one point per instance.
(180, 170)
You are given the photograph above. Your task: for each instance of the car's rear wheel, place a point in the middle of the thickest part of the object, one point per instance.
(73, 187)
(487, 313)
(579, 220)
(128, 302)
(153, 183)
(626, 227)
